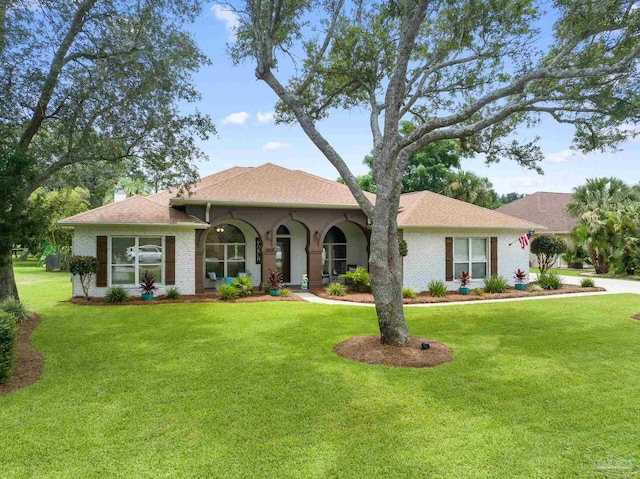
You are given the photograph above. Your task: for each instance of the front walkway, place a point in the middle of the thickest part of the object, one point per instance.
(312, 298)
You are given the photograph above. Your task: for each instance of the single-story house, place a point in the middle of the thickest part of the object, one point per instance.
(246, 221)
(546, 209)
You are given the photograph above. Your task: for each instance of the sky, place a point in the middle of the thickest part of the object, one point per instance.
(242, 109)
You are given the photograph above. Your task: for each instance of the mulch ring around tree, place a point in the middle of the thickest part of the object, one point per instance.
(369, 349)
(29, 362)
(635, 316)
(256, 297)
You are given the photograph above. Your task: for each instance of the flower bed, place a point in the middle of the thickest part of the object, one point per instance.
(257, 296)
(454, 296)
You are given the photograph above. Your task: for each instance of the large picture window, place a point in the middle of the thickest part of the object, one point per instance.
(225, 252)
(334, 253)
(470, 255)
(132, 256)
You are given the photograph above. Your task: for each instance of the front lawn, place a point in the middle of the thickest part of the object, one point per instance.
(547, 388)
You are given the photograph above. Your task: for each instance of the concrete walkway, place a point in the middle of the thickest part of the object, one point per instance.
(312, 298)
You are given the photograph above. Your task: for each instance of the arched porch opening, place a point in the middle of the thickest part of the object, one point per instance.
(345, 247)
(231, 248)
(291, 246)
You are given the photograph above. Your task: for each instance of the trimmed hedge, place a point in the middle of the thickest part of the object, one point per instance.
(8, 337)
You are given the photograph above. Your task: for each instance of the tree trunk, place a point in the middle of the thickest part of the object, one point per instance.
(7, 281)
(386, 274)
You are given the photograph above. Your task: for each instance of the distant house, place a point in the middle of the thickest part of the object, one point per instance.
(546, 209)
(246, 221)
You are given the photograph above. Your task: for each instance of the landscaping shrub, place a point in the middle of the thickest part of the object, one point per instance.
(478, 291)
(535, 288)
(227, 291)
(172, 293)
(409, 293)
(336, 289)
(284, 292)
(243, 285)
(85, 267)
(547, 248)
(437, 288)
(117, 294)
(549, 280)
(495, 284)
(359, 279)
(8, 336)
(587, 283)
(15, 308)
(266, 288)
(148, 283)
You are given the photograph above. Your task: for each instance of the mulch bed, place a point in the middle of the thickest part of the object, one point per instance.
(29, 362)
(256, 297)
(369, 349)
(453, 296)
(635, 316)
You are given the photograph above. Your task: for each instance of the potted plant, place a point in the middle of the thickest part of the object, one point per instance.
(274, 280)
(520, 277)
(148, 285)
(464, 281)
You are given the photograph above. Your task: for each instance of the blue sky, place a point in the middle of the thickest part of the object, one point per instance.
(241, 107)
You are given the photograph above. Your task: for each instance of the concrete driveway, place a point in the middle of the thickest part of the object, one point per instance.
(611, 285)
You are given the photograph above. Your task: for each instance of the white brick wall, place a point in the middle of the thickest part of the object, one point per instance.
(426, 258)
(84, 243)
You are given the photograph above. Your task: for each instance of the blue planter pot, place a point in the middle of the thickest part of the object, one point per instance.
(147, 296)
(464, 291)
(520, 286)
(274, 292)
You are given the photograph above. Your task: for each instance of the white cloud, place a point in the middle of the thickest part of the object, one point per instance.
(565, 156)
(228, 17)
(265, 118)
(275, 146)
(239, 118)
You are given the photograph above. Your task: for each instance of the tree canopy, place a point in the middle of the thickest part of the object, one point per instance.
(90, 82)
(473, 71)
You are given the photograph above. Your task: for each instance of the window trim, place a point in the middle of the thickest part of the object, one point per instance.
(225, 261)
(136, 264)
(470, 263)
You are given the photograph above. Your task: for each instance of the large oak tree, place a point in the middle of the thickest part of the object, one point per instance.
(92, 81)
(473, 70)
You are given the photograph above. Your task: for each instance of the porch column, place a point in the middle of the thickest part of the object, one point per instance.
(314, 268)
(199, 262)
(268, 262)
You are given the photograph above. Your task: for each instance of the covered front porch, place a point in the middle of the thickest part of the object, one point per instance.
(233, 247)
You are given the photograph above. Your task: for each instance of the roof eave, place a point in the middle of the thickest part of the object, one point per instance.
(112, 223)
(474, 227)
(264, 204)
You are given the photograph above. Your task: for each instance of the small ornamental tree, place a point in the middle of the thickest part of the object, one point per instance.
(85, 267)
(547, 248)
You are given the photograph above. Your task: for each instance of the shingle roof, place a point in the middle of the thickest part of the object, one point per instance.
(424, 208)
(272, 185)
(133, 210)
(543, 208)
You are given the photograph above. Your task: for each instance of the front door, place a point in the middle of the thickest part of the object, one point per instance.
(283, 258)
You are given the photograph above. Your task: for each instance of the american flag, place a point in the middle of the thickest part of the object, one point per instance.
(524, 239)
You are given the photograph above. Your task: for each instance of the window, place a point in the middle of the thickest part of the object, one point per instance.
(334, 253)
(470, 254)
(225, 252)
(132, 256)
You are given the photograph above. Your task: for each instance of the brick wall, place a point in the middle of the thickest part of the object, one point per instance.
(426, 258)
(84, 243)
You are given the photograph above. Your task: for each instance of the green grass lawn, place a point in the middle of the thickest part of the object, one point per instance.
(586, 272)
(542, 389)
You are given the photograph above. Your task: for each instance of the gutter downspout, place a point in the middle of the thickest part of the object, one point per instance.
(206, 215)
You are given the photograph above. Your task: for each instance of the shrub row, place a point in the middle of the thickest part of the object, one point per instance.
(8, 336)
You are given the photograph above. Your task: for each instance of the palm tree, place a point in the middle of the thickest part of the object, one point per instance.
(469, 187)
(594, 204)
(600, 195)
